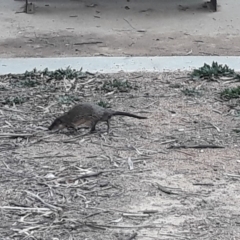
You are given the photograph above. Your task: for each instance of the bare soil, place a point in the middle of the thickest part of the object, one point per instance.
(174, 44)
(159, 178)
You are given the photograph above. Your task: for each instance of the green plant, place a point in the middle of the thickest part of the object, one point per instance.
(236, 130)
(67, 99)
(30, 73)
(175, 85)
(2, 88)
(215, 70)
(15, 100)
(103, 104)
(117, 85)
(230, 93)
(29, 83)
(58, 74)
(191, 92)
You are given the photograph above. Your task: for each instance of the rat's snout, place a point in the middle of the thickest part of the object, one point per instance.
(51, 127)
(56, 125)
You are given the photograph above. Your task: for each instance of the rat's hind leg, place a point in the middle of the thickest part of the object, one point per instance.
(93, 127)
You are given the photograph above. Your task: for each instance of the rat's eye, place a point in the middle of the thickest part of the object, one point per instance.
(58, 121)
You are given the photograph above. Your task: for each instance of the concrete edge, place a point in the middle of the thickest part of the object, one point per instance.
(115, 64)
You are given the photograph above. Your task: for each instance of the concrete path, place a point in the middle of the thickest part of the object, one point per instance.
(114, 64)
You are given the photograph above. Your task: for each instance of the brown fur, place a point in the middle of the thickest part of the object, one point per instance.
(88, 114)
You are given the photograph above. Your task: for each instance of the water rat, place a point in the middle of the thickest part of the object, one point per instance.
(88, 114)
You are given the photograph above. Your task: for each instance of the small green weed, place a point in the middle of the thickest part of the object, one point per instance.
(216, 70)
(29, 83)
(15, 100)
(191, 92)
(59, 74)
(2, 88)
(103, 104)
(230, 93)
(30, 74)
(236, 130)
(117, 85)
(175, 85)
(67, 99)
(238, 113)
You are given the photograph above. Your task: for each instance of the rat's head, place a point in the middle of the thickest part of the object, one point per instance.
(57, 124)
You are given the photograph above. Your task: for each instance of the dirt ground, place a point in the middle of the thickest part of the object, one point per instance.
(174, 175)
(119, 28)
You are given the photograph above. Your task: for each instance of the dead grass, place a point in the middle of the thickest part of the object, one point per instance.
(160, 178)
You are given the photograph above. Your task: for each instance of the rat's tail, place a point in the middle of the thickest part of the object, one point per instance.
(128, 115)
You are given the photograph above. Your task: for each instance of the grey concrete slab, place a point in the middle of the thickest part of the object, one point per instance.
(115, 64)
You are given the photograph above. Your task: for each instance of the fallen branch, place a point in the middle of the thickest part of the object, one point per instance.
(127, 226)
(89, 81)
(195, 146)
(94, 174)
(24, 208)
(232, 175)
(39, 140)
(73, 139)
(87, 175)
(29, 229)
(50, 206)
(203, 184)
(135, 215)
(15, 135)
(150, 211)
(11, 109)
(165, 190)
(94, 214)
